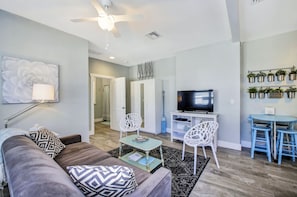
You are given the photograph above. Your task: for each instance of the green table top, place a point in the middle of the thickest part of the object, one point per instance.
(148, 145)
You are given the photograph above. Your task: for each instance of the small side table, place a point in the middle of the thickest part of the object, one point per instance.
(146, 146)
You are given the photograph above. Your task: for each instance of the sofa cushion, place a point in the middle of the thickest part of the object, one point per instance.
(47, 141)
(103, 180)
(81, 153)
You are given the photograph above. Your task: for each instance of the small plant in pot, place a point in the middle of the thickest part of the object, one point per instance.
(291, 92)
(251, 76)
(260, 76)
(293, 74)
(280, 74)
(261, 93)
(253, 92)
(276, 93)
(270, 77)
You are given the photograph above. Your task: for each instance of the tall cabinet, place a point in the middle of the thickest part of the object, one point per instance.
(146, 99)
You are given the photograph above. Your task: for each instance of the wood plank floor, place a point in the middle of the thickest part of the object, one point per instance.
(239, 175)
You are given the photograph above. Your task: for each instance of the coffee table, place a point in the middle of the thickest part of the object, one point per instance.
(146, 162)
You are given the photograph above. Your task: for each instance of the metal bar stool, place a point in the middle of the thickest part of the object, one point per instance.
(287, 146)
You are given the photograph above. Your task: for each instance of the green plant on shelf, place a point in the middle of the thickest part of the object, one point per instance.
(252, 90)
(280, 72)
(261, 75)
(251, 77)
(293, 74)
(291, 89)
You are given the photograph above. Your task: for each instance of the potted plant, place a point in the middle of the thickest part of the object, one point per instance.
(291, 92)
(251, 76)
(260, 76)
(253, 92)
(261, 93)
(270, 77)
(292, 74)
(276, 93)
(268, 90)
(280, 74)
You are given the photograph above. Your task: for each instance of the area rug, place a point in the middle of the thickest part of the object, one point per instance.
(183, 180)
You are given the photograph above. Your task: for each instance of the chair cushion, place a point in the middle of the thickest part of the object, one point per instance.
(103, 180)
(47, 141)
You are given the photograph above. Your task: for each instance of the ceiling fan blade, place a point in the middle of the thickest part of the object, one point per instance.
(98, 7)
(119, 18)
(115, 32)
(85, 19)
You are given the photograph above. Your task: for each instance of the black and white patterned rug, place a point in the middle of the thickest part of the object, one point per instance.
(183, 180)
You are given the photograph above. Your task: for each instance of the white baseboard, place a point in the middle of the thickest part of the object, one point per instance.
(98, 119)
(230, 145)
(246, 144)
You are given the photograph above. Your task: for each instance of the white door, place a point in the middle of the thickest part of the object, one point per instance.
(117, 102)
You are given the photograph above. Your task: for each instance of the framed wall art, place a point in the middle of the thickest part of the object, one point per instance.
(19, 75)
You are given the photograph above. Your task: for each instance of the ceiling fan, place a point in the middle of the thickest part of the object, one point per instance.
(105, 20)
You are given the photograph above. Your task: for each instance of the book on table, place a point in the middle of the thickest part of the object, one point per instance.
(135, 156)
(144, 161)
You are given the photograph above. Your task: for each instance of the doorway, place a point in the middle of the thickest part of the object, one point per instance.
(108, 103)
(102, 101)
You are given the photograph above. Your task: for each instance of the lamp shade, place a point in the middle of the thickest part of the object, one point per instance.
(43, 92)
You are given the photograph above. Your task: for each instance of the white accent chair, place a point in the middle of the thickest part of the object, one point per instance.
(130, 122)
(201, 135)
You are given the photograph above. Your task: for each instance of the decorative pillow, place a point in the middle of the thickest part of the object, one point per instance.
(47, 141)
(103, 180)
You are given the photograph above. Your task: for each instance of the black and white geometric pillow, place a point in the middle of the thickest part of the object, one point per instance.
(47, 141)
(103, 180)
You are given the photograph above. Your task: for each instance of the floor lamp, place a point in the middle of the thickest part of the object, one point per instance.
(41, 93)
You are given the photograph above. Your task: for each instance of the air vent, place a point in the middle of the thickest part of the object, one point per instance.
(256, 1)
(153, 35)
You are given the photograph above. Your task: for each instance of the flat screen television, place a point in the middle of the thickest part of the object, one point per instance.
(195, 100)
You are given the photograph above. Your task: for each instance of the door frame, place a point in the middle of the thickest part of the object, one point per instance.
(93, 90)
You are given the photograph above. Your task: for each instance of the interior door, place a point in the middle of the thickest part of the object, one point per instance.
(117, 101)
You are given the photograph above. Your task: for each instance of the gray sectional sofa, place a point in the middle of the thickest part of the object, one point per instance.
(32, 173)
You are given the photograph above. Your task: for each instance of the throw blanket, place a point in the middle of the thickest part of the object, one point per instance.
(5, 134)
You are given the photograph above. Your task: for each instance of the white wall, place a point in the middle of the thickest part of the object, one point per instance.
(215, 67)
(23, 38)
(273, 52)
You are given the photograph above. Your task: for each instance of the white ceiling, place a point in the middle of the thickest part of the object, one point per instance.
(182, 24)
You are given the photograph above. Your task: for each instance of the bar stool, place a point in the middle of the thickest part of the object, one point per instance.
(286, 146)
(261, 141)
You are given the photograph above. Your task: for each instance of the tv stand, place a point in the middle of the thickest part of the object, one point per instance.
(197, 112)
(181, 122)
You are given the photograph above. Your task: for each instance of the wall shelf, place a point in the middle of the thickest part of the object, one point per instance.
(273, 86)
(269, 70)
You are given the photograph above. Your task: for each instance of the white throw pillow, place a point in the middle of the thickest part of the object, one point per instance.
(103, 180)
(47, 141)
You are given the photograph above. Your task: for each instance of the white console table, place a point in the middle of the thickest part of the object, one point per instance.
(181, 122)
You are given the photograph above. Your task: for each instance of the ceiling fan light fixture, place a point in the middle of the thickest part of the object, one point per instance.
(106, 23)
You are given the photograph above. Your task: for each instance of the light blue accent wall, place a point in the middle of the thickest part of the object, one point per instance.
(26, 39)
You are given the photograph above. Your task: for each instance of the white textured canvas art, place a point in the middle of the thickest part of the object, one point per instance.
(19, 75)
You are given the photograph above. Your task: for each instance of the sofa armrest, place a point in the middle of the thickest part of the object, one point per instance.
(71, 139)
(159, 184)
